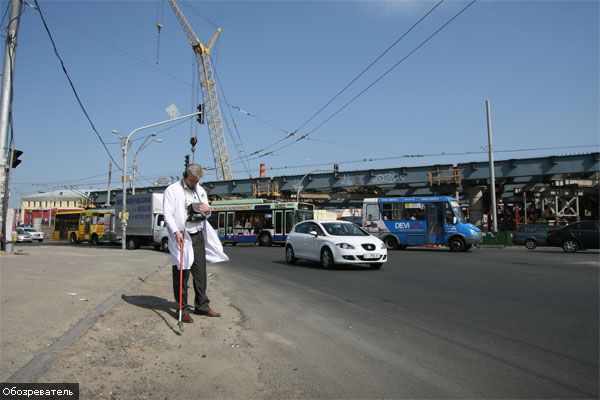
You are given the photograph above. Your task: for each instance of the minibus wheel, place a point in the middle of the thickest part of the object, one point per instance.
(456, 244)
(390, 242)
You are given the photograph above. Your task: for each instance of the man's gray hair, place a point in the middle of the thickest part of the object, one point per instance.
(194, 170)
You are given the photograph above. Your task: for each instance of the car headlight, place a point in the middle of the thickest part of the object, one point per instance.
(474, 232)
(382, 247)
(345, 246)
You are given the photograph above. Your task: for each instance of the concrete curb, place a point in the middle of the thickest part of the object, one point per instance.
(37, 366)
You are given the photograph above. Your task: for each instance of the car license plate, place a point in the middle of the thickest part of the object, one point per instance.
(371, 255)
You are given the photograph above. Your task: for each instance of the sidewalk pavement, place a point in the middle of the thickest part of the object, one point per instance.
(106, 319)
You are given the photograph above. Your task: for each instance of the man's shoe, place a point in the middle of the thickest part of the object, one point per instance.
(187, 318)
(209, 313)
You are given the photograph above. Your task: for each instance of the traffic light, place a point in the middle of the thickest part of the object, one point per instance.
(200, 117)
(187, 160)
(15, 158)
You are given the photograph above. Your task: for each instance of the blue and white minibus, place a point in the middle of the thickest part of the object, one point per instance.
(419, 221)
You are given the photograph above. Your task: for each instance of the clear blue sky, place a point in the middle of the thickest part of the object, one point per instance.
(537, 62)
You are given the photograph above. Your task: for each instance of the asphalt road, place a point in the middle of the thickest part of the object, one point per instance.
(489, 323)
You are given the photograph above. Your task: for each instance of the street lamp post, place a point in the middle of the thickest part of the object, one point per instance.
(125, 143)
(134, 166)
(301, 179)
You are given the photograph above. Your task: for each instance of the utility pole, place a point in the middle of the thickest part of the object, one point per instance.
(16, 6)
(491, 162)
(109, 181)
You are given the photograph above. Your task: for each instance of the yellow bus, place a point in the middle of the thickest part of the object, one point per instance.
(94, 225)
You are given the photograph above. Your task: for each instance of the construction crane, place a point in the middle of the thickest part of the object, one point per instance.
(212, 109)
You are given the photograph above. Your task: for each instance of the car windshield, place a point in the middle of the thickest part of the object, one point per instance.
(343, 229)
(29, 229)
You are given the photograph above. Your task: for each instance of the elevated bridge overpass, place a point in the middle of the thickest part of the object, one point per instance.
(562, 185)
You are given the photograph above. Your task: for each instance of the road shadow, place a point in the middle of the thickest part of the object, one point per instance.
(159, 306)
(316, 265)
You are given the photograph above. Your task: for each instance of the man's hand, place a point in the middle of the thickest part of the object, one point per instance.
(179, 238)
(204, 208)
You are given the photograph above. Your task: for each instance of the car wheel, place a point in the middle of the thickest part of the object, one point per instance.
(327, 258)
(456, 244)
(375, 265)
(265, 239)
(73, 238)
(530, 244)
(94, 240)
(131, 244)
(570, 246)
(164, 245)
(390, 242)
(290, 258)
(40, 240)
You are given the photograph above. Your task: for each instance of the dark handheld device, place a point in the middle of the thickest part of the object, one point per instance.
(194, 213)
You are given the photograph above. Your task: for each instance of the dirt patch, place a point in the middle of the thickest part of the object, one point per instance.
(137, 351)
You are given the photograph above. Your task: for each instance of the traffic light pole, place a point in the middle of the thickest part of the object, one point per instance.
(125, 142)
(16, 7)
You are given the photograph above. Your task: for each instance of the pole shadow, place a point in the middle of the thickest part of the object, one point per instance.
(158, 305)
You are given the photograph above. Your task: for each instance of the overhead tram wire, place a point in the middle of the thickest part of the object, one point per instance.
(73, 86)
(293, 133)
(243, 155)
(441, 154)
(379, 78)
(154, 67)
(370, 65)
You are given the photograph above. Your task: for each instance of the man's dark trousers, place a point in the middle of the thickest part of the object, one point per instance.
(198, 270)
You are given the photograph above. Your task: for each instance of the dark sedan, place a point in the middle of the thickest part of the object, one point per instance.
(531, 235)
(578, 236)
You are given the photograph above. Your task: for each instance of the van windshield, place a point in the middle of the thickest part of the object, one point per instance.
(457, 211)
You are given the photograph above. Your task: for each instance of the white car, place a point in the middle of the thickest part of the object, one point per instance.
(35, 235)
(23, 236)
(334, 242)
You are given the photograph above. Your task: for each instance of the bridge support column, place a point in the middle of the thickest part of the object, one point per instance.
(476, 204)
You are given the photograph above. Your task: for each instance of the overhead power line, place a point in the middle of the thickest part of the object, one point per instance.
(154, 67)
(73, 86)
(304, 136)
(427, 155)
(370, 65)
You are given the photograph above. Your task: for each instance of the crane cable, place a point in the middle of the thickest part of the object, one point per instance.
(159, 26)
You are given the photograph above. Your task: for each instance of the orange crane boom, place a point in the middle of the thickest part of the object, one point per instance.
(210, 98)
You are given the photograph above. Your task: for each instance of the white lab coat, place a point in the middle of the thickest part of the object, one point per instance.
(175, 212)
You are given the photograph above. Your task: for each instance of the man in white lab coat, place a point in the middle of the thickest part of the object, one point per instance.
(197, 239)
